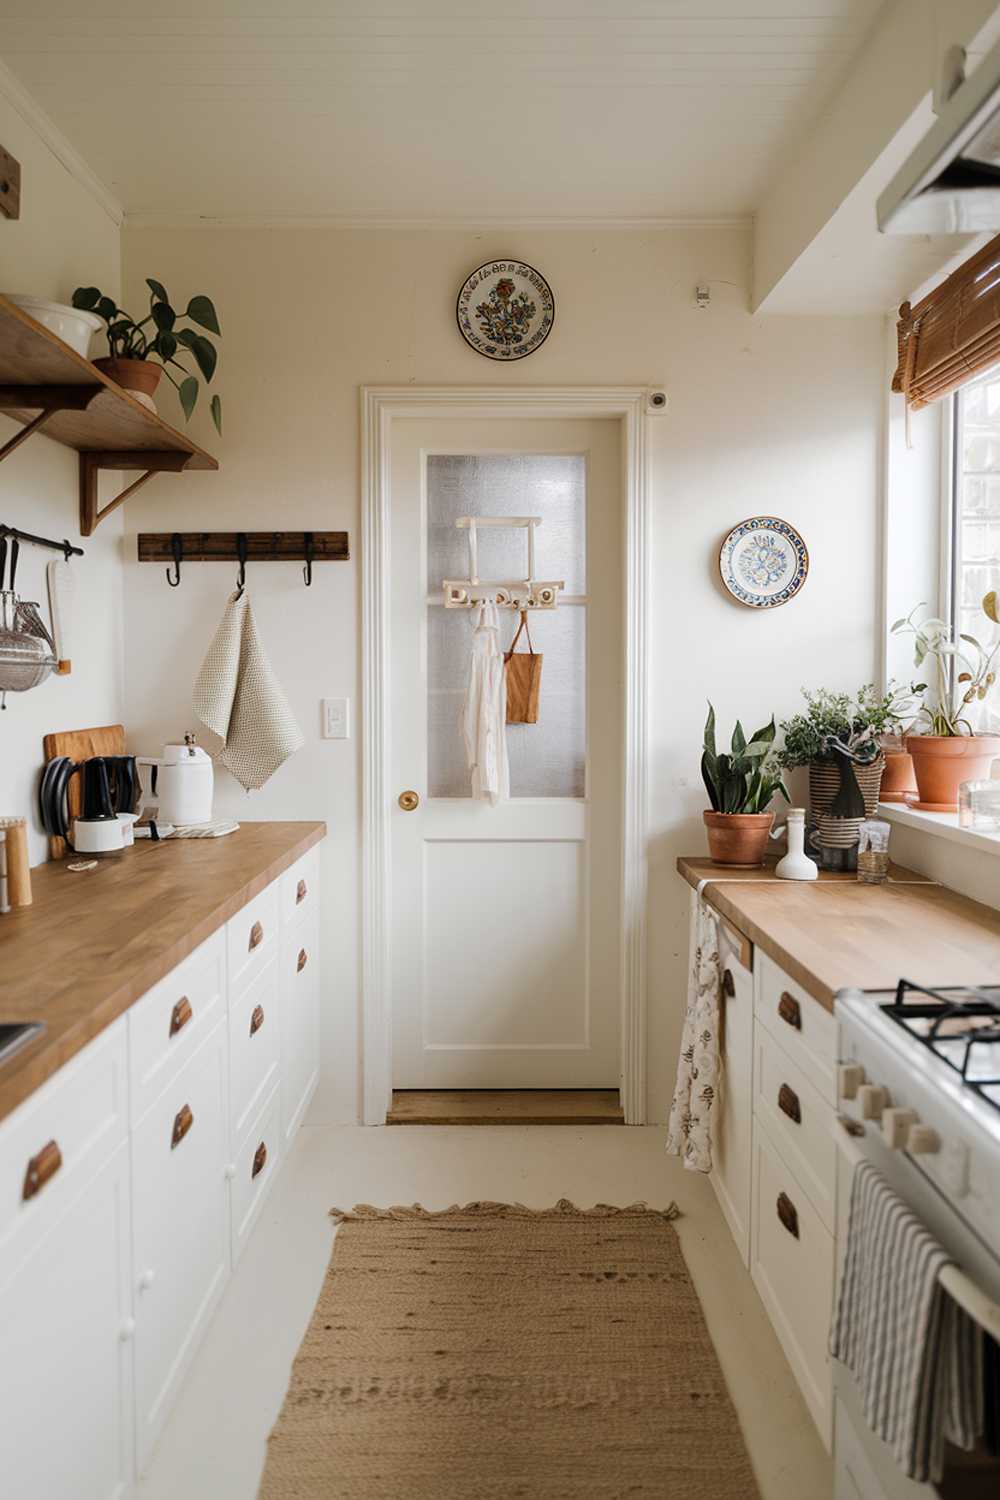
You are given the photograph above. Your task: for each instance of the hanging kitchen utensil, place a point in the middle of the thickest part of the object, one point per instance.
(61, 585)
(524, 678)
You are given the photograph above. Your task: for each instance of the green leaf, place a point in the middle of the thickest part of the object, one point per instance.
(707, 776)
(106, 309)
(739, 739)
(189, 395)
(201, 310)
(158, 289)
(203, 350)
(216, 410)
(898, 625)
(163, 315)
(165, 345)
(709, 739)
(766, 734)
(86, 297)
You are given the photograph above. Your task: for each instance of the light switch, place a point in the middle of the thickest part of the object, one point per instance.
(336, 718)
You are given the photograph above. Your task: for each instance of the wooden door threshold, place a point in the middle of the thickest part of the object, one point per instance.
(505, 1107)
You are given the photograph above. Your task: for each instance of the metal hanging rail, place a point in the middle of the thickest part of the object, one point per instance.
(17, 535)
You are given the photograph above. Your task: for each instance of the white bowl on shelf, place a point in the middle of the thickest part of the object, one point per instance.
(71, 324)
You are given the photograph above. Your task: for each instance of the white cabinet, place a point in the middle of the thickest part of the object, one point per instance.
(181, 1229)
(299, 983)
(731, 1122)
(66, 1350)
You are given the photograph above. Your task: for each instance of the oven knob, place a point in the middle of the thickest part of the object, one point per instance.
(896, 1127)
(873, 1099)
(850, 1077)
(922, 1140)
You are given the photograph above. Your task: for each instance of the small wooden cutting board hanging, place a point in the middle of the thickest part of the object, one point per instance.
(524, 678)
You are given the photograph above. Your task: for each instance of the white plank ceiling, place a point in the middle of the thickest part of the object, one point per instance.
(433, 110)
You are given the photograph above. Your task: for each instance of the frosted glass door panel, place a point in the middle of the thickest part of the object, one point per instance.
(550, 485)
(547, 759)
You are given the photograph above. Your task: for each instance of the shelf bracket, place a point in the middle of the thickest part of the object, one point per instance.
(92, 462)
(47, 400)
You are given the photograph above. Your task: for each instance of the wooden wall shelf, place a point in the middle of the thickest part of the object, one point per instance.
(47, 386)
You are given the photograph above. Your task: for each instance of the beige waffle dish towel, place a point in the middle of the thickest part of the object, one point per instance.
(238, 697)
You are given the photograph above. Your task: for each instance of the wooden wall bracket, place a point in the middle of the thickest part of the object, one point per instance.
(168, 461)
(47, 399)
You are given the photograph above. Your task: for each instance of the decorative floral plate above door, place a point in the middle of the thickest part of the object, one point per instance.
(763, 562)
(505, 309)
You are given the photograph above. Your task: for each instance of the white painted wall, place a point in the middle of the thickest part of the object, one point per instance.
(777, 415)
(64, 236)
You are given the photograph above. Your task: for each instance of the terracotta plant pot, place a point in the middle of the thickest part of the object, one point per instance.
(738, 838)
(943, 762)
(139, 377)
(899, 780)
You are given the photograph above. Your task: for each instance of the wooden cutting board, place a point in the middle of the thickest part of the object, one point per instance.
(80, 744)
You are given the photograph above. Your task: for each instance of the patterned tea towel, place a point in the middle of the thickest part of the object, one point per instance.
(916, 1356)
(689, 1133)
(238, 697)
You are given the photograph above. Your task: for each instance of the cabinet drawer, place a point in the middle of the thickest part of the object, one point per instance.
(169, 1023)
(792, 1264)
(59, 1136)
(298, 888)
(253, 1170)
(299, 985)
(800, 1121)
(252, 938)
(806, 1031)
(180, 1228)
(254, 1049)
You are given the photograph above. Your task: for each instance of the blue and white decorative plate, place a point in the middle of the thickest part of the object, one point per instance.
(763, 562)
(505, 309)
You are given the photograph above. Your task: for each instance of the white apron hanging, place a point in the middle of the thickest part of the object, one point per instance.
(484, 717)
(697, 1088)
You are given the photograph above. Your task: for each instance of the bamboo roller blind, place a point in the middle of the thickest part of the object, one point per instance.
(953, 333)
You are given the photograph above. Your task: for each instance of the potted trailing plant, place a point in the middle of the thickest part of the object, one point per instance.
(740, 786)
(949, 750)
(143, 351)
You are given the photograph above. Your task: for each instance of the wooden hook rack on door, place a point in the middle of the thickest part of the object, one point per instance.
(178, 547)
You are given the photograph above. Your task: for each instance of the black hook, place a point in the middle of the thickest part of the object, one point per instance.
(15, 549)
(241, 553)
(177, 548)
(307, 571)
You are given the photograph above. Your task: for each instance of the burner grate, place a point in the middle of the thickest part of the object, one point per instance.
(955, 1024)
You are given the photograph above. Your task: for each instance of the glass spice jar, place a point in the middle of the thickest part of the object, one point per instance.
(873, 851)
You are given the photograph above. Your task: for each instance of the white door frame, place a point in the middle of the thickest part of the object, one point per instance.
(380, 406)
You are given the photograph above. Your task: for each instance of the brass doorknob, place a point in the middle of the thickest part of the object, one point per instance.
(408, 801)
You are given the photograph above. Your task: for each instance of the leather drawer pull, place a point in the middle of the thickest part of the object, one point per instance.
(301, 892)
(788, 1103)
(41, 1169)
(180, 1015)
(259, 1158)
(183, 1120)
(257, 1019)
(790, 1010)
(728, 983)
(303, 959)
(256, 937)
(788, 1214)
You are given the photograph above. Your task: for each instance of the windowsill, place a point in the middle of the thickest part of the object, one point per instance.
(939, 825)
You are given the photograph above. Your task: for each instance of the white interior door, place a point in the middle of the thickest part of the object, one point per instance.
(505, 919)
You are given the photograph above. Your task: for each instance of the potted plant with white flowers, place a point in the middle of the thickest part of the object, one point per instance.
(951, 749)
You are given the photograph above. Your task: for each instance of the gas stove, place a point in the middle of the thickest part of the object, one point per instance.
(958, 1025)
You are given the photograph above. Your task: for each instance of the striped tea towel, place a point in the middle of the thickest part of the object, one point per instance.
(238, 697)
(689, 1133)
(916, 1356)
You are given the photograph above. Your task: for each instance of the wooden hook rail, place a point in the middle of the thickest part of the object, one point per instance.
(180, 547)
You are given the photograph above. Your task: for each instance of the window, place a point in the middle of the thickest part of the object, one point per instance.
(975, 508)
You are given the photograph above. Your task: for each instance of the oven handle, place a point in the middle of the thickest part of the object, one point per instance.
(961, 1288)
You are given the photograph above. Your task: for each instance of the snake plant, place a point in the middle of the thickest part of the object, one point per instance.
(745, 779)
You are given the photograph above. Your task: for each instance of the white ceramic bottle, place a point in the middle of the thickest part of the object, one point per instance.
(796, 864)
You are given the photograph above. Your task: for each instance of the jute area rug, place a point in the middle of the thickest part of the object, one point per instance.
(496, 1351)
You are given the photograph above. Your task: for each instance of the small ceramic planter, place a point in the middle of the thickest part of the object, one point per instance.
(139, 377)
(943, 762)
(899, 780)
(738, 838)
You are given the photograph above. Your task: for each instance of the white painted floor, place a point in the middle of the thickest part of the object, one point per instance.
(213, 1446)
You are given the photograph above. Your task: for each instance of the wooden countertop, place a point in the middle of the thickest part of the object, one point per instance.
(834, 932)
(93, 941)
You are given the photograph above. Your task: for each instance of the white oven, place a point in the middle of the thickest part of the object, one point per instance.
(936, 1141)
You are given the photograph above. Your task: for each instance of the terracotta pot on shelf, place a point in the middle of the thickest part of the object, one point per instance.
(738, 838)
(899, 780)
(943, 762)
(139, 377)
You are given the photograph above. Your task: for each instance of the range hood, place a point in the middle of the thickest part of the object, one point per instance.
(951, 183)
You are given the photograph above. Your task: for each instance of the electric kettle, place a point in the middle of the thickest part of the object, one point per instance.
(180, 783)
